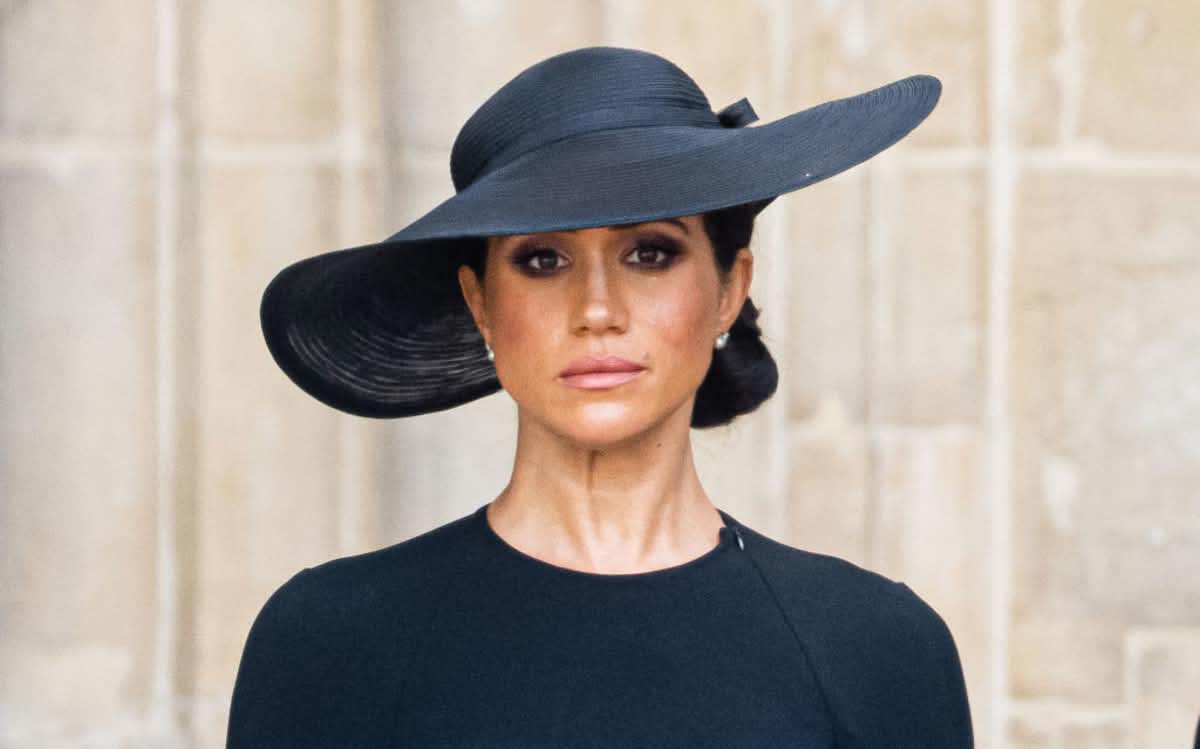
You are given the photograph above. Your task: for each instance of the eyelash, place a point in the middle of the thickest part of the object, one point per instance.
(668, 248)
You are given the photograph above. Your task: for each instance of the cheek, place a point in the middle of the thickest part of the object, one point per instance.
(522, 321)
(675, 320)
(529, 328)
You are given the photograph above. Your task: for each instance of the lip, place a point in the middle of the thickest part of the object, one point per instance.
(600, 380)
(590, 373)
(589, 364)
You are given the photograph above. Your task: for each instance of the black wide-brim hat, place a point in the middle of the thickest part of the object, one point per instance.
(598, 136)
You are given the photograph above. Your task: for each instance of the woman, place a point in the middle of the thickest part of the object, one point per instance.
(594, 263)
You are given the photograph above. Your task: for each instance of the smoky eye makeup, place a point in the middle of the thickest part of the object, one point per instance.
(651, 251)
(533, 257)
(669, 247)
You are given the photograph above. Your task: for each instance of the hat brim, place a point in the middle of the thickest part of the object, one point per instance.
(381, 330)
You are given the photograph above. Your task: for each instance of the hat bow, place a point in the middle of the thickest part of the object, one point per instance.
(737, 114)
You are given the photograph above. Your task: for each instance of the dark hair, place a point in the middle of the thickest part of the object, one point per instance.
(743, 373)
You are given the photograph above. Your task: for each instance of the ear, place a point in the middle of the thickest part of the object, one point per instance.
(473, 295)
(736, 289)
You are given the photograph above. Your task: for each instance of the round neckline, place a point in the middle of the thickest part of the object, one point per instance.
(725, 541)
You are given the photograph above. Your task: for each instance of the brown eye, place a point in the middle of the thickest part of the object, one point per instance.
(654, 254)
(539, 262)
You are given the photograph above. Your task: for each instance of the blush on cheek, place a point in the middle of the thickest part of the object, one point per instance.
(516, 319)
(525, 358)
(678, 321)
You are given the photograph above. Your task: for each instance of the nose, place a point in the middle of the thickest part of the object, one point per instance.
(598, 305)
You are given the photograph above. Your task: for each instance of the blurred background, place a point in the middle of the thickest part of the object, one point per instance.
(988, 336)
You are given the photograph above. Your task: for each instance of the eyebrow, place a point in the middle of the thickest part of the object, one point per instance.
(675, 221)
(633, 225)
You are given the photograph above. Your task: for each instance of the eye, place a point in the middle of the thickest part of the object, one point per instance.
(646, 250)
(653, 254)
(538, 262)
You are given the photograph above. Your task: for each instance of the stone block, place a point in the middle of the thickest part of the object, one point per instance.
(930, 488)
(931, 272)
(822, 355)
(1063, 656)
(1104, 423)
(77, 69)
(1137, 71)
(444, 59)
(363, 76)
(845, 48)
(1043, 80)
(1114, 73)
(1095, 734)
(830, 497)
(266, 70)
(1029, 729)
(1164, 676)
(78, 442)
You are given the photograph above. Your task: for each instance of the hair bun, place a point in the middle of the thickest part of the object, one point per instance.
(742, 376)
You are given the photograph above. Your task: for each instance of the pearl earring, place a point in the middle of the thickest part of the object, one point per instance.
(491, 355)
(722, 339)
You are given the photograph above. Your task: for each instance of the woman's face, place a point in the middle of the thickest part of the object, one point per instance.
(647, 293)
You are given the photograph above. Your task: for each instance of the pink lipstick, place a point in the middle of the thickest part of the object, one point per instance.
(591, 373)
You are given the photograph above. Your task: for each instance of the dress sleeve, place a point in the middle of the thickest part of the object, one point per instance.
(278, 698)
(917, 695)
(889, 668)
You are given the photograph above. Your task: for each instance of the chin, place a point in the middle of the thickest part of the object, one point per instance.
(600, 425)
(606, 425)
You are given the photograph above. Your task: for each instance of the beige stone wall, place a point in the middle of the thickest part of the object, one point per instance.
(989, 337)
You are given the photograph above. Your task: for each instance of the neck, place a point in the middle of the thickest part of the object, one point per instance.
(632, 506)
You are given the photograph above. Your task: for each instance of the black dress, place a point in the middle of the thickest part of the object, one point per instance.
(454, 638)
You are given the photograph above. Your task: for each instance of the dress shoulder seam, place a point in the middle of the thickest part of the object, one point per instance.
(795, 636)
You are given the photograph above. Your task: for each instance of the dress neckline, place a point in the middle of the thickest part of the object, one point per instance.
(727, 538)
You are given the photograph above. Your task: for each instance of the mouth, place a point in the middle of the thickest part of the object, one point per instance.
(600, 380)
(597, 374)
